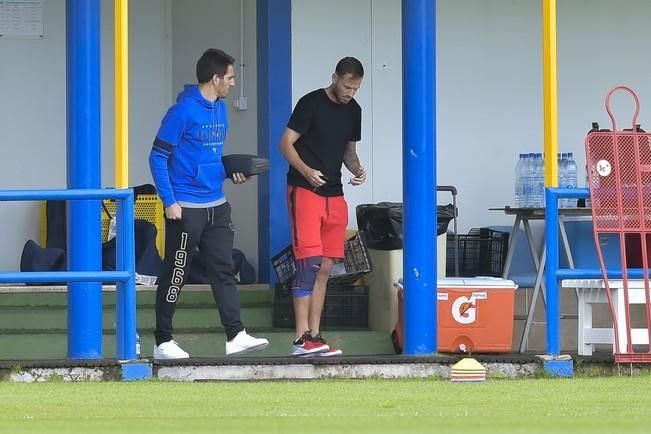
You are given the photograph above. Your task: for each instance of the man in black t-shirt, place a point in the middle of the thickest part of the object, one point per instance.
(321, 135)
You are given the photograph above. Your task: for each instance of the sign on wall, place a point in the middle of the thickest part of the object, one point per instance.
(21, 19)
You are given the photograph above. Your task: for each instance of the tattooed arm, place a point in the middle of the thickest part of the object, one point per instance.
(351, 161)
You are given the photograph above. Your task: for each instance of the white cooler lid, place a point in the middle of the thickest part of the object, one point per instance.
(475, 282)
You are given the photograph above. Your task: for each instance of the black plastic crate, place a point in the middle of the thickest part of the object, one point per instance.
(482, 252)
(356, 263)
(344, 308)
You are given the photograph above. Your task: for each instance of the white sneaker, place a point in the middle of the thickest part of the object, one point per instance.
(169, 350)
(244, 343)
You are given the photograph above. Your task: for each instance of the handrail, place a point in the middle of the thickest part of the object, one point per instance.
(552, 270)
(125, 274)
(64, 194)
(64, 276)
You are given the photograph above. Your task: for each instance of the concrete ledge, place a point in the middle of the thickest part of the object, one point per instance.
(271, 368)
(286, 368)
(310, 372)
(41, 375)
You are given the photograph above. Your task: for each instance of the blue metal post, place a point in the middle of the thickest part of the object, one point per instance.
(419, 176)
(275, 105)
(125, 300)
(83, 159)
(553, 308)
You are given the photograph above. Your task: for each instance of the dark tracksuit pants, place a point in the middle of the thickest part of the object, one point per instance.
(210, 229)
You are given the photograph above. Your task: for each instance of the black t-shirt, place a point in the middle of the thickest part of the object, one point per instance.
(325, 128)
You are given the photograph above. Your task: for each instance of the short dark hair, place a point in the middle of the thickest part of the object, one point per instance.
(213, 61)
(349, 65)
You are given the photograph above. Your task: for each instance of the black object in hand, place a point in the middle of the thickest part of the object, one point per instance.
(246, 164)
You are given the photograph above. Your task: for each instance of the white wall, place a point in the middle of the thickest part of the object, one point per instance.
(216, 24)
(370, 31)
(602, 44)
(489, 87)
(149, 77)
(489, 100)
(385, 71)
(32, 126)
(33, 112)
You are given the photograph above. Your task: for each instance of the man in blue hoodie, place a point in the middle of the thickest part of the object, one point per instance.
(186, 164)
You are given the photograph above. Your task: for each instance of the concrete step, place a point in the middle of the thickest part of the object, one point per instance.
(43, 310)
(187, 318)
(13, 296)
(53, 346)
(33, 323)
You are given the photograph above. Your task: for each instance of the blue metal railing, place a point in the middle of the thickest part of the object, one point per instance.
(551, 280)
(553, 273)
(124, 276)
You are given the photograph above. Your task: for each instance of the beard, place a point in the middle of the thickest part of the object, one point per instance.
(342, 99)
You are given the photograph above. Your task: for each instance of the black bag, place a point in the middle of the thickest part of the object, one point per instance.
(55, 215)
(55, 212)
(37, 258)
(381, 223)
(244, 272)
(148, 260)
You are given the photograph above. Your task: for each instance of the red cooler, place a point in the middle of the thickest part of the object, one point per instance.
(475, 314)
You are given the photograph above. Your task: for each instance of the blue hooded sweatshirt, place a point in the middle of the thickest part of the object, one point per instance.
(186, 158)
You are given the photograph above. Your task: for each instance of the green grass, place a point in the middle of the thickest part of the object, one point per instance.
(580, 405)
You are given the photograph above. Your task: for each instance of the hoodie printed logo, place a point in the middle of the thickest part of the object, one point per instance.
(212, 134)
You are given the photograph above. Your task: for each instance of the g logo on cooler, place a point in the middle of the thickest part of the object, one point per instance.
(464, 310)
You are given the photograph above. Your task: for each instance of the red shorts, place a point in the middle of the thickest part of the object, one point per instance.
(318, 223)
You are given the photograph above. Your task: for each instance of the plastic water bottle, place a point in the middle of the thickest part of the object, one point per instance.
(541, 180)
(559, 162)
(562, 177)
(519, 181)
(538, 189)
(137, 345)
(112, 229)
(571, 180)
(528, 180)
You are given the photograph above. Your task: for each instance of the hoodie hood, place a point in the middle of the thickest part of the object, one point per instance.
(191, 91)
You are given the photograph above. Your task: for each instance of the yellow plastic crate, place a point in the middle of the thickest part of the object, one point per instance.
(147, 207)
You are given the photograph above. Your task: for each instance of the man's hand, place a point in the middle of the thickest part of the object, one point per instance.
(315, 177)
(359, 178)
(174, 212)
(239, 178)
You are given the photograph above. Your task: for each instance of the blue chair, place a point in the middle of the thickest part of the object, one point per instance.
(522, 270)
(581, 244)
(584, 253)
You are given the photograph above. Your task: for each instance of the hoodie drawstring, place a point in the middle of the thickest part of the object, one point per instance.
(210, 215)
